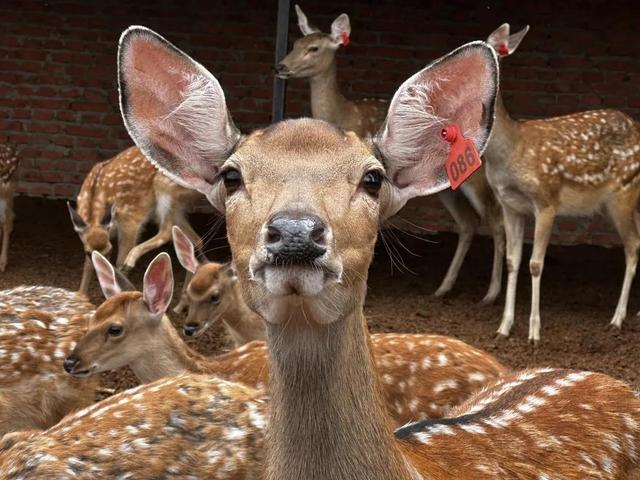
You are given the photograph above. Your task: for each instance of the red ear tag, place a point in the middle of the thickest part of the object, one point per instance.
(503, 49)
(345, 39)
(463, 158)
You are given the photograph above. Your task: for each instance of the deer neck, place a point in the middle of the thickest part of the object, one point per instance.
(504, 136)
(327, 103)
(242, 323)
(329, 420)
(166, 354)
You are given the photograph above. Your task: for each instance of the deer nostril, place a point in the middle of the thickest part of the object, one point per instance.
(277, 68)
(70, 362)
(318, 235)
(273, 234)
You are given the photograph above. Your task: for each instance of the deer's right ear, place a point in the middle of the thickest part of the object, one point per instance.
(458, 88)
(78, 223)
(106, 275)
(174, 110)
(303, 23)
(504, 43)
(184, 250)
(157, 288)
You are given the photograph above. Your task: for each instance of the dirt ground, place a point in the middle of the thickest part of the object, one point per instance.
(579, 292)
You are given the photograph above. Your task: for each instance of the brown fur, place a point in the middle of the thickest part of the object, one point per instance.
(139, 193)
(9, 160)
(38, 329)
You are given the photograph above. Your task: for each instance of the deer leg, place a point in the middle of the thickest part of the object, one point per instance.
(127, 236)
(163, 236)
(514, 230)
(7, 229)
(624, 217)
(467, 220)
(496, 224)
(544, 223)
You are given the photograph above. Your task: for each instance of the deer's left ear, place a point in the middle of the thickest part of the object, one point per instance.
(157, 288)
(340, 30)
(459, 88)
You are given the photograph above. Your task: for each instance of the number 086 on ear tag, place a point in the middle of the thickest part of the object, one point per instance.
(463, 157)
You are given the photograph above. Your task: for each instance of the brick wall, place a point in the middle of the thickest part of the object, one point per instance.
(58, 94)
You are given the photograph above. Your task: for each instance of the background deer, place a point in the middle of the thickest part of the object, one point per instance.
(182, 427)
(571, 165)
(423, 375)
(302, 269)
(38, 329)
(9, 160)
(212, 295)
(135, 192)
(313, 57)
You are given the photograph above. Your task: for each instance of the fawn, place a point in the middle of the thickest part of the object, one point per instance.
(183, 427)
(9, 160)
(293, 195)
(314, 57)
(212, 295)
(132, 329)
(118, 197)
(38, 329)
(570, 165)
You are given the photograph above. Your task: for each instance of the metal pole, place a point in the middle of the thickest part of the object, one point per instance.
(282, 35)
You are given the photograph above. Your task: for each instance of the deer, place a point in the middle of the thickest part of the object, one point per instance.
(131, 328)
(212, 295)
(9, 160)
(39, 326)
(186, 426)
(570, 165)
(314, 57)
(116, 199)
(293, 194)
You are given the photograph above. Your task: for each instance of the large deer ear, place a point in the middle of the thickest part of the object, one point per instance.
(157, 288)
(458, 88)
(340, 30)
(174, 110)
(303, 23)
(503, 43)
(185, 250)
(111, 281)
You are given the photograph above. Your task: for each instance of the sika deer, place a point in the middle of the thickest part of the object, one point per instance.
(570, 165)
(38, 329)
(136, 192)
(125, 331)
(213, 295)
(183, 427)
(313, 57)
(293, 195)
(9, 160)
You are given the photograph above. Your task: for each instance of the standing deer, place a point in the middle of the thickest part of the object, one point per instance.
(424, 376)
(9, 160)
(117, 198)
(38, 329)
(570, 165)
(293, 195)
(182, 427)
(314, 57)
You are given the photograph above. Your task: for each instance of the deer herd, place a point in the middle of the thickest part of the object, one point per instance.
(307, 392)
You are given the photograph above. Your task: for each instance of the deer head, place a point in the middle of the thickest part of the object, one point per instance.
(94, 237)
(123, 327)
(303, 199)
(314, 53)
(210, 291)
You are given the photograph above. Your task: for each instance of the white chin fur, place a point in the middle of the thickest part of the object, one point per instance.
(304, 281)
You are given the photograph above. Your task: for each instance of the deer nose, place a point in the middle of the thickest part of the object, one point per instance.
(70, 362)
(189, 329)
(295, 238)
(278, 68)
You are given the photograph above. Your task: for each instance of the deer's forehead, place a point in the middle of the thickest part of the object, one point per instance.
(115, 306)
(307, 40)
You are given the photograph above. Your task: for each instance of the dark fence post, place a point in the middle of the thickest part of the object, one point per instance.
(282, 35)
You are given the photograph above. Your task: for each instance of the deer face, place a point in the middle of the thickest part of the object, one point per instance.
(311, 55)
(303, 200)
(94, 236)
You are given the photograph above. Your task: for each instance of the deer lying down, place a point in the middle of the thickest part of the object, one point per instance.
(183, 427)
(293, 194)
(314, 57)
(9, 160)
(423, 375)
(118, 197)
(213, 295)
(38, 329)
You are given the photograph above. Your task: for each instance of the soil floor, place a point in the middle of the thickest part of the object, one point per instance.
(580, 288)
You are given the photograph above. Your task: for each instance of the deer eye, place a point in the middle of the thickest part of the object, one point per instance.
(372, 182)
(232, 180)
(115, 330)
(215, 299)
(312, 49)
